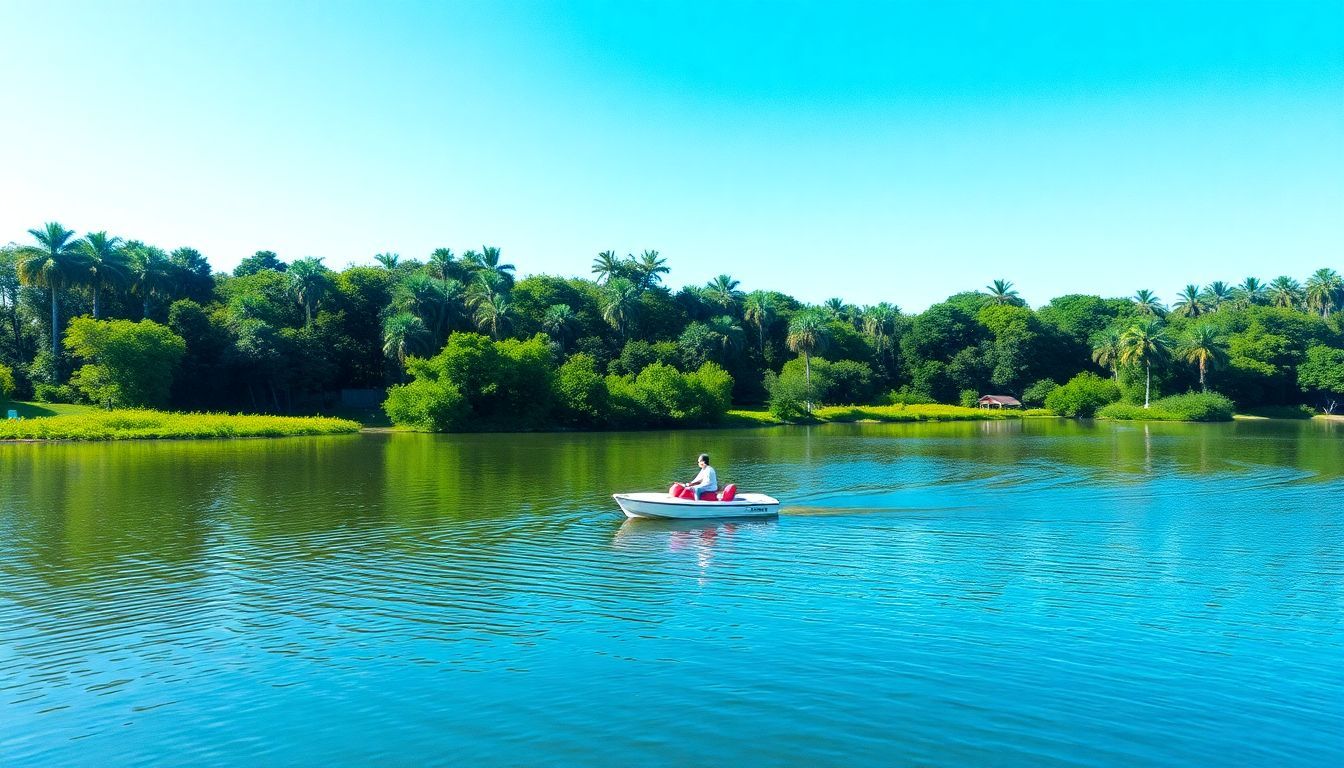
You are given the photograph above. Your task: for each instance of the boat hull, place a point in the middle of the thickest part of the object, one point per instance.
(660, 506)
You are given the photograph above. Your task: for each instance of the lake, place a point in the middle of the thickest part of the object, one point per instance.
(1034, 593)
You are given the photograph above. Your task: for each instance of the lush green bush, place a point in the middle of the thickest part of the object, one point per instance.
(1193, 406)
(130, 364)
(477, 383)
(1082, 396)
(663, 396)
(969, 398)
(138, 424)
(787, 396)
(6, 382)
(581, 394)
(1322, 373)
(1038, 392)
(55, 393)
(906, 396)
(850, 382)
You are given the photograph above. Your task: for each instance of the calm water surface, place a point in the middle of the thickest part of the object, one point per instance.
(1037, 593)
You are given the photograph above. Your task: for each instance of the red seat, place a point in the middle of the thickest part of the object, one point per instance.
(729, 492)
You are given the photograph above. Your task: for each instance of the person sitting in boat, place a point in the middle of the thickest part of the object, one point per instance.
(705, 482)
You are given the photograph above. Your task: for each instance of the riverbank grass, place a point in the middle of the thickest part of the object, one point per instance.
(95, 424)
(1194, 406)
(42, 410)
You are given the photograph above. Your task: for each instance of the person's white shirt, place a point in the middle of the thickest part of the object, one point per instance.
(707, 480)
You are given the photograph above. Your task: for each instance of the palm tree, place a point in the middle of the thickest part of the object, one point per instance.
(807, 335)
(1145, 342)
(1204, 346)
(835, 308)
(107, 264)
(1001, 292)
(560, 323)
(54, 263)
(607, 267)
(1285, 292)
(437, 304)
(1216, 295)
(1106, 350)
(649, 270)
(404, 334)
(1148, 303)
(730, 333)
(487, 262)
(152, 274)
(444, 266)
(620, 304)
(759, 310)
(879, 323)
(495, 315)
(309, 280)
(389, 260)
(1251, 292)
(1323, 289)
(723, 291)
(1188, 302)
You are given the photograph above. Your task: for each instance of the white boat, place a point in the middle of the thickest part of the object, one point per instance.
(665, 506)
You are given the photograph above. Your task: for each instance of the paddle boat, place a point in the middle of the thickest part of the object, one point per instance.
(679, 503)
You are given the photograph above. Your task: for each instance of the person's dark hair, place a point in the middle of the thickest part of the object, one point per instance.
(704, 457)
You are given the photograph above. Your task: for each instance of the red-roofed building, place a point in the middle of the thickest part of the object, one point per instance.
(999, 401)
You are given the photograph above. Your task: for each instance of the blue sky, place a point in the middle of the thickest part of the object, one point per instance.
(875, 151)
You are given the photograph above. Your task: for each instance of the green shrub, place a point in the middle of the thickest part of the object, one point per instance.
(787, 396)
(430, 404)
(851, 382)
(1193, 406)
(907, 396)
(581, 395)
(1198, 406)
(1038, 392)
(1082, 396)
(970, 398)
(55, 393)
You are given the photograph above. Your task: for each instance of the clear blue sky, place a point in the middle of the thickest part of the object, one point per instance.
(874, 151)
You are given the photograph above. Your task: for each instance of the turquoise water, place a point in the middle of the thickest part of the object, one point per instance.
(1032, 593)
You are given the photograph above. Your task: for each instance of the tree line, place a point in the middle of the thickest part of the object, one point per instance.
(284, 336)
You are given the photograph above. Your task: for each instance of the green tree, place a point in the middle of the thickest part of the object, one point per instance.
(561, 324)
(807, 336)
(108, 269)
(55, 263)
(1001, 292)
(494, 315)
(581, 393)
(1216, 294)
(1189, 302)
(620, 304)
(759, 310)
(1143, 344)
(487, 261)
(1107, 350)
(310, 281)
(649, 269)
(1323, 291)
(152, 274)
(1285, 292)
(607, 267)
(257, 262)
(130, 364)
(1322, 372)
(1082, 396)
(1147, 303)
(722, 292)
(1250, 293)
(389, 261)
(1205, 347)
(404, 334)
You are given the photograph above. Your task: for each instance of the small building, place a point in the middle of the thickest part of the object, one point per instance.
(999, 401)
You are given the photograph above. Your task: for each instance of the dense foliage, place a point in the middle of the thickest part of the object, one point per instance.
(461, 342)
(1192, 406)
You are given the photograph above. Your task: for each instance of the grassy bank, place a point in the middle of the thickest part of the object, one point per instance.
(1194, 406)
(42, 410)
(93, 424)
(885, 413)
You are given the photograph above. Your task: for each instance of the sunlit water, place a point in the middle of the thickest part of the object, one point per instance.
(1040, 593)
